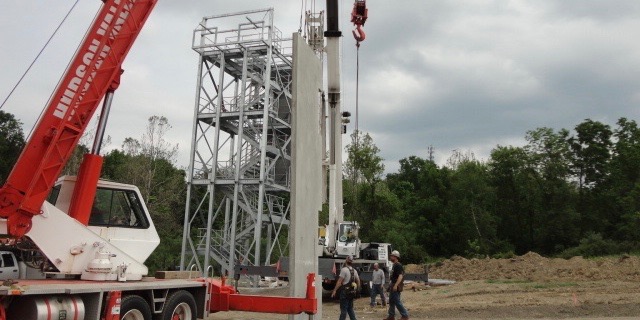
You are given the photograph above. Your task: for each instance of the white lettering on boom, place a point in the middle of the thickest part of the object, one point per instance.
(89, 60)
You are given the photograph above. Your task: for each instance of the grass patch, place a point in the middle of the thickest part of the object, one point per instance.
(507, 281)
(554, 285)
(531, 284)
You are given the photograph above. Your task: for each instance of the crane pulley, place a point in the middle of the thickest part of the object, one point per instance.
(358, 18)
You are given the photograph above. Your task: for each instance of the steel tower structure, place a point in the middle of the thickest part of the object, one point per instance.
(239, 179)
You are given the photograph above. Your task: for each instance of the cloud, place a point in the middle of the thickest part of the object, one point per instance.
(455, 74)
(482, 73)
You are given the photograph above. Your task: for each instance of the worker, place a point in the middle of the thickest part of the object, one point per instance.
(350, 235)
(395, 288)
(377, 281)
(349, 277)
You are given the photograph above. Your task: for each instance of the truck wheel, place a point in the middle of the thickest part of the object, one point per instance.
(328, 286)
(179, 306)
(365, 290)
(134, 308)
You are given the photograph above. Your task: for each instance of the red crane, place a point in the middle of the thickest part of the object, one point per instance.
(94, 70)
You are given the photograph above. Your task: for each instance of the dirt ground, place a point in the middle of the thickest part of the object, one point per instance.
(525, 287)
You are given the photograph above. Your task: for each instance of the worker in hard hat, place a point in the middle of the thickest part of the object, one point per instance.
(395, 288)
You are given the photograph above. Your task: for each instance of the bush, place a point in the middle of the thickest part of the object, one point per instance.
(504, 255)
(593, 245)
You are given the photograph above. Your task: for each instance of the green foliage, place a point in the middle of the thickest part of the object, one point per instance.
(11, 143)
(364, 161)
(504, 255)
(363, 170)
(593, 245)
(167, 255)
(560, 187)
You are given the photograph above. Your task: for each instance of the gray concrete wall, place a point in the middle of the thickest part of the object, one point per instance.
(306, 170)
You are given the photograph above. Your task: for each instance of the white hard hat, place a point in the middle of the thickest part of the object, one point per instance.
(395, 253)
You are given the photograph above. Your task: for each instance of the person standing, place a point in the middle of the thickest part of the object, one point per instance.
(348, 277)
(395, 287)
(377, 282)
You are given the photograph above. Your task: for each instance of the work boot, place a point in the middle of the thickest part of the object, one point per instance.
(405, 318)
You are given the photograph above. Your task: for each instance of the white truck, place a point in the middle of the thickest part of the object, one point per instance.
(9, 268)
(348, 243)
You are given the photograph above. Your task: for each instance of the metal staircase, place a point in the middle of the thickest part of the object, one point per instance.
(239, 175)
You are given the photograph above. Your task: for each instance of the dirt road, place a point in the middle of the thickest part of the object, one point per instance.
(526, 287)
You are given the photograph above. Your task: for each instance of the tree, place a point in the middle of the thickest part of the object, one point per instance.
(470, 209)
(554, 217)
(423, 189)
(153, 153)
(550, 152)
(515, 184)
(591, 147)
(364, 163)
(363, 169)
(592, 151)
(11, 143)
(624, 179)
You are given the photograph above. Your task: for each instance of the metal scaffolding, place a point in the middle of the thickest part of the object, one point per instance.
(237, 208)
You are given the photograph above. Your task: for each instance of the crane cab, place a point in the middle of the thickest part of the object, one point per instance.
(119, 215)
(348, 241)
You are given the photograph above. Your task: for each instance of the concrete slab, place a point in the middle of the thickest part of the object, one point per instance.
(306, 169)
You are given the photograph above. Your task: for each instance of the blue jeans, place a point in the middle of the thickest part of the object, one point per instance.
(394, 302)
(375, 290)
(346, 307)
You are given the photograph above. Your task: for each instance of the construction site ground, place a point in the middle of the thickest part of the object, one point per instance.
(524, 287)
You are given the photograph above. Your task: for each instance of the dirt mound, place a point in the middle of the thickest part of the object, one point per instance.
(534, 267)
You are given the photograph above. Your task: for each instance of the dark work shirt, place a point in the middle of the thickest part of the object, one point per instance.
(396, 271)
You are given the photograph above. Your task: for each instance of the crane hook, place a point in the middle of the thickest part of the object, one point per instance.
(359, 34)
(359, 16)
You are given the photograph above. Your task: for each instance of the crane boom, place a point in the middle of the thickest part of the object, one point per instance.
(93, 69)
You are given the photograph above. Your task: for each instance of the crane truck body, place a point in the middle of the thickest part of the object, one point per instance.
(89, 238)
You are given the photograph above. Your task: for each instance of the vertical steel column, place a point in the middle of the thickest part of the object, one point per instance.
(186, 228)
(257, 235)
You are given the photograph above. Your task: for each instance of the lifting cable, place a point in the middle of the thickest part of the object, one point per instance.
(358, 18)
(39, 53)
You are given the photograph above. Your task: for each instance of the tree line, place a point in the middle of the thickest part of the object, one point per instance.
(564, 193)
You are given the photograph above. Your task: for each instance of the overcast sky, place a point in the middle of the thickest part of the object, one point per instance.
(454, 74)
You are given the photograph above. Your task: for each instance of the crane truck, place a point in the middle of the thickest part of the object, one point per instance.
(90, 237)
(339, 238)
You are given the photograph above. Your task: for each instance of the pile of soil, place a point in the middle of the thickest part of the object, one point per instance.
(534, 267)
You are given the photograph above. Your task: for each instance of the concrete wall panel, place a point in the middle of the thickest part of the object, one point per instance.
(306, 169)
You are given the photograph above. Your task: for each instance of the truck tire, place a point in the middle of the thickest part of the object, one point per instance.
(134, 307)
(328, 286)
(365, 289)
(180, 305)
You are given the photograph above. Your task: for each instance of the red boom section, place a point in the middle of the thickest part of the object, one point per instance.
(92, 70)
(225, 298)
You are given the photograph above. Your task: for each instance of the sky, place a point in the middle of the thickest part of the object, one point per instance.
(464, 75)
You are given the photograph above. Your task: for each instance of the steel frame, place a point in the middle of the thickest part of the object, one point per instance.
(239, 177)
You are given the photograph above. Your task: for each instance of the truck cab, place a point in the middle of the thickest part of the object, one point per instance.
(348, 242)
(118, 215)
(8, 266)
